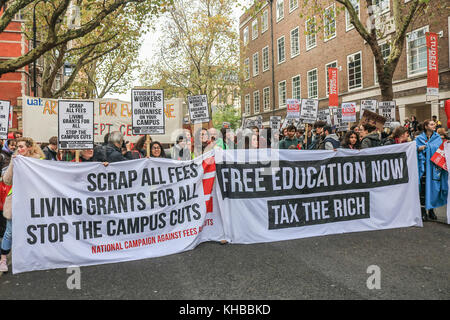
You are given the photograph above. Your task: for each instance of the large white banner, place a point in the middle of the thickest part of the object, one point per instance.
(314, 193)
(81, 214)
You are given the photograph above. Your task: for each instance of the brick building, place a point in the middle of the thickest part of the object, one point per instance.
(301, 60)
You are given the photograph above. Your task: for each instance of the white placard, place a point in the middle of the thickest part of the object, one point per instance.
(292, 109)
(198, 109)
(349, 111)
(387, 110)
(275, 122)
(5, 107)
(75, 124)
(147, 107)
(370, 105)
(309, 109)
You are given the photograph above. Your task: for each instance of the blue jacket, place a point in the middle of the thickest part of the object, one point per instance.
(436, 185)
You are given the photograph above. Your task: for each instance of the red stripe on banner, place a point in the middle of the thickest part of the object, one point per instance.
(208, 185)
(209, 165)
(209, 205)
(432, 64)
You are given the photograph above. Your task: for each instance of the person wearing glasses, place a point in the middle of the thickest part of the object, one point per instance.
(157, 150)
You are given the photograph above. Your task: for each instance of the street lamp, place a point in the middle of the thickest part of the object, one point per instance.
(34, 47)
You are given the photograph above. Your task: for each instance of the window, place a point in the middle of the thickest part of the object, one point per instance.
(281, 52)
(385, 52)
(293, 4)
(265, 21)
(312, 84)
(256, 102)
(255, 29)
(348, 24)
(266, 98)
(296, 92)
(245, 36)
(265, 58)
(282, 93)
(416, 49)
(310, 26)
(330, 65)
(295, 43)
(247, 104)
(381, 6)
(58, 82)
(329, 23)
(247, 69)
(255, 64)
(18, 16)
(280, 10)
(354, 71)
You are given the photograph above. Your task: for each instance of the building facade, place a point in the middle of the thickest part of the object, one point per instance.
(301, 59)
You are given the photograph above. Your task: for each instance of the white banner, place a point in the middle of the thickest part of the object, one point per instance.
(314, 193)
(81, 214)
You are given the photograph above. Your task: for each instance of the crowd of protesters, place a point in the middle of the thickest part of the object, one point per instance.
(428, 135)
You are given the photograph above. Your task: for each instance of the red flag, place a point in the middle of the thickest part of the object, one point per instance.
(432, 64)
(333, 100)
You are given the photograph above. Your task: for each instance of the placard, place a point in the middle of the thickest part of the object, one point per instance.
(292, 109)
(324, 115)
(337, 119)
(387, 110)
(75, 124)
(333, 99)
(147, 107)
(275, 122)
(5, 107)
(432, 64)
(349, 111)
(370, 105)
(198, 109)
(309, 109)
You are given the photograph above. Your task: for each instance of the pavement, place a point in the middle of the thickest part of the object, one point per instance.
(413, 263)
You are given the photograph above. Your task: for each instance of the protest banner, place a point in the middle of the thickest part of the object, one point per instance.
(308, 113)
(387, 110)
(198, 109)
(40, 119)
(432, 64)
(370, 105)
(147, 109)
(333, 98)
(292, 109)
(324, 115)
(439, 159)
(275, 122)
(75, 124)
(5, 111)
(86, 214)
(373, 119)
(349, 111)
(312, 193)
(337, 119)
(447, 156)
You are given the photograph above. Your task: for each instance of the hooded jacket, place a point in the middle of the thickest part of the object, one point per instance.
(371, 140)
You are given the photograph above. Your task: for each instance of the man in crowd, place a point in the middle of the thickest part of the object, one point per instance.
(318, 136)
(113, 149)
(331, 140)
(51, 151)
(290, 139)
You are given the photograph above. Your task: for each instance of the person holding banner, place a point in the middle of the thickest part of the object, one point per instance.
(5, 155)
(433, 184)
(331, 140)
(290, 139)
(369, 136)
(318, 137)
(114, 148)
(51, 150)
(400, 135)
(351, 141)
(25, 147)
(87, 155)
(140, 148)
(157, 150)
(180, 151)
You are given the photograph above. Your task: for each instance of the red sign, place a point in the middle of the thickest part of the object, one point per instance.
(333, 100)
(439, 158)
(432, 64)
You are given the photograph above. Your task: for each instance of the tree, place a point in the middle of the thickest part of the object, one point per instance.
(226, 113)
(57, 33)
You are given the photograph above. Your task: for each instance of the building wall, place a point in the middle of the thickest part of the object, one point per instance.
(346, 42)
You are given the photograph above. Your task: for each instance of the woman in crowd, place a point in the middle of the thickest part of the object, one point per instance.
(5, 155)
(180, 151)
(400, 135)
(25, 147)
(351, 140)
(157, 150)
(201, 142)
(432, 179)
(369, 136)
(140, 148)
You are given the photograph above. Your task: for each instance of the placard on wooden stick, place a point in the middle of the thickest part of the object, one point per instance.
(75, 124)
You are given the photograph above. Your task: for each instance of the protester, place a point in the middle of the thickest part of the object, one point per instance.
(355, 128)
(369, 136)
(252, 141)
(5, 155)
(442, 133)
(413, 125)
(113, 150)
(201, 142)
(432, 179)
(438, 123)
(400, 135)
(318, 137)
(330, 141)
(51, 150)
(140, 148)
(220, 143)
(180, 151)
(351, 140)
(290, 139)
(157, 150)
(25, 147)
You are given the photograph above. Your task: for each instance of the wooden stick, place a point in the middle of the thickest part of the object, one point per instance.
(147, 140)
(77, 155)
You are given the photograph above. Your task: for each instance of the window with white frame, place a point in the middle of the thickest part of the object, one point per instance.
(293, 4)
(281, 51)
(255, 29)
(295, 42)
(296, 91)
(266, 98)
(381, 6)
(280, 10)
(385, 49)
(329, 65)
(310, 26)
(312, 84)
(255, 64)
(354, 69)
(247, 104)
(256, 105)
(265, 21)
(282, 93)
(265, 58)
(247, 69)
(245, 36)
(329, 23)
(348, 24)
(416, 51)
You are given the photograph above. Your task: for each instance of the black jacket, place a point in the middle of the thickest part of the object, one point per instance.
(50, 154)
(113, 154)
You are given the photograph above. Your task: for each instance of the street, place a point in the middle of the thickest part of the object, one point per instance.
(414, 263)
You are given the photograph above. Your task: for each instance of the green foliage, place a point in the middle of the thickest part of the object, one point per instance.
(226, 114)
